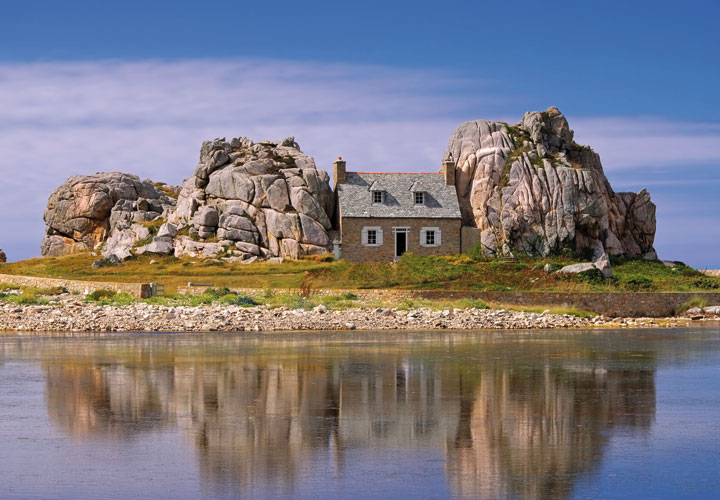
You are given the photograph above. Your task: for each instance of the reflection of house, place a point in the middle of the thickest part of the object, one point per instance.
(383, 215)
(257, 421)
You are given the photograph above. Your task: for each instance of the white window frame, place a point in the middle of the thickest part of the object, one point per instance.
(382, 197)
(437, 236)
(421, 195)
(378, 236)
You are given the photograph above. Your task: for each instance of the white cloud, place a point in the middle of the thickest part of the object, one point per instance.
(149, 118)
(624, 142)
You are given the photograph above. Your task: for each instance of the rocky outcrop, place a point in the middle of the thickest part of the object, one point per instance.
(244, 201)
(266, 199)
(3, 257)
(87, 210)
(531, 189)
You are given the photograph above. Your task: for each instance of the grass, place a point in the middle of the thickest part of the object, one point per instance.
(459, 273)
(30, 296)
(694, 302)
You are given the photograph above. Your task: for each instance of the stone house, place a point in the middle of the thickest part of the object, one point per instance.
(380, 216)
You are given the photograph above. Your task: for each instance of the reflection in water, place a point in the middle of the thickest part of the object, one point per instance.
(522, 419)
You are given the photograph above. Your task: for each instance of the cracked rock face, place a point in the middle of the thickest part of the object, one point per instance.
(87, 210)
(531, 189)
(264, 198)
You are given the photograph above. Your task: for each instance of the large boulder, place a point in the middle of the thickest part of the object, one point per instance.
(86, 210)
(3, 257)
(531, 189)
(266, 197)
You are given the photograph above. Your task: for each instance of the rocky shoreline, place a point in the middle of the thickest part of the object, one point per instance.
(77, 316)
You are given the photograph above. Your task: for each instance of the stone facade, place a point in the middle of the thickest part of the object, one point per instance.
(353, 249)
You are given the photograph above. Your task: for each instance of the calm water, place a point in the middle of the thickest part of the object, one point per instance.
(561, 415)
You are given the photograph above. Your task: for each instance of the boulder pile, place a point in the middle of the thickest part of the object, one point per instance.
(529, 188)
(107, 209)
(244, 201)
(265, 200)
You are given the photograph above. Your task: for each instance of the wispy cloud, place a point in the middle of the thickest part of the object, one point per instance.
(649, 141)
(149, 118)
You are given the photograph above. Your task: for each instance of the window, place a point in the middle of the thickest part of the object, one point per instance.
(430, 238)
(377, 196)
(372, 236)
(419, 198)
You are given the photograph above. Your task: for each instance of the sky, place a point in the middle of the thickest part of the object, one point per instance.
(89, 86)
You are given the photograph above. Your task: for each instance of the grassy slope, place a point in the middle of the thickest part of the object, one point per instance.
(458, 273)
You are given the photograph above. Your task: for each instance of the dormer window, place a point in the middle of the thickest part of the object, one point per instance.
(377, 196)
(419, 197)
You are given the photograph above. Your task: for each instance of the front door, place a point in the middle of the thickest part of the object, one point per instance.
(400, 243)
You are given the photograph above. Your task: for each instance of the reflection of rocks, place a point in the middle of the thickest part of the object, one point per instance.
(521, 429)
(114, 401)
(530, 434)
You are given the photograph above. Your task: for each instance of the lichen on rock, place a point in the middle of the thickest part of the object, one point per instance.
(529, 188)
(87, 210)
(265, 198)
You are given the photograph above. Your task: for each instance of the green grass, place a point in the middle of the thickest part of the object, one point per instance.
(459, 273)
(693, 303)
(30, 296)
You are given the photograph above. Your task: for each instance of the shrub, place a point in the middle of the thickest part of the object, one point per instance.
(101, 294)
(319, 258)
(637, 283)
(28, 297)
(8, 286)
(110, 298)
(592, 276)
(692, 303)
(707, 283)
(233, 299)
(476, 252)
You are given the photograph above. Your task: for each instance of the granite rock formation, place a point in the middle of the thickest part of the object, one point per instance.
(266, 199)
(243, 202)
(531, 189)
(87, 211)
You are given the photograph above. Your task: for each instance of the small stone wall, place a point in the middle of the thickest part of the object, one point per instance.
(139, 290)
(712, 272)
(653, 305)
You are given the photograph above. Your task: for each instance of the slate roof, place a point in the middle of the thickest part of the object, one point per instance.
(355, 199)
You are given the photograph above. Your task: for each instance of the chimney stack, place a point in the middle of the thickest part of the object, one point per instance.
(448, 170)
(339, 171)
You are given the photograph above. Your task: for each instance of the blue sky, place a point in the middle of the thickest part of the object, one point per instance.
(137, 86)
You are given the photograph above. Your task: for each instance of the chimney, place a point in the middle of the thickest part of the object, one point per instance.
(339, 171)
(448, 170)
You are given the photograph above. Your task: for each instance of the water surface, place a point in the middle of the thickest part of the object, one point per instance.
(502, 415)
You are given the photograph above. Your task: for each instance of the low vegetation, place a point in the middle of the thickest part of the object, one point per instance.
(460, 273)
